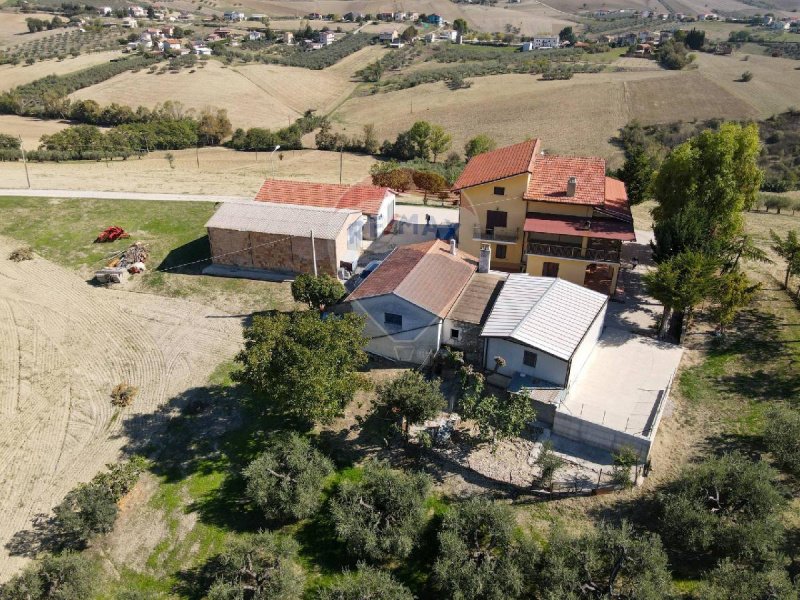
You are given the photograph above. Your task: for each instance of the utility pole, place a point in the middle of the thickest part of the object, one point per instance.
(272, 159)
(197, 154)
(25, 162)
(341, 162)
(313, 253)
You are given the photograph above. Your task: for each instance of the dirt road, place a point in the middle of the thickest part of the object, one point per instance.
(63, 345)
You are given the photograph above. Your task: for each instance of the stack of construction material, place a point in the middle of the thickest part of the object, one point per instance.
(130, 261)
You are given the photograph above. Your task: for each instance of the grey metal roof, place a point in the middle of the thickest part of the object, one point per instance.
(546, 313)
(281, 219)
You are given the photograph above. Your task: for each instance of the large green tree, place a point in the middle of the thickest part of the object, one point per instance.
(306, 365)
(285, 481)
(478, 145)
(439, 141)
(480, 556)
(380, 517)
(726, 507)
(637, 173)
(612, 562)
(681, 283)
(714, 176)
(318, 292)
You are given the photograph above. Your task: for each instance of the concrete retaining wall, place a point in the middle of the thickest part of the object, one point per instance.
(577, 429)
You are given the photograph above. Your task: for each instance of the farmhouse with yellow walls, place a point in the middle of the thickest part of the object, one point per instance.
(551, 216)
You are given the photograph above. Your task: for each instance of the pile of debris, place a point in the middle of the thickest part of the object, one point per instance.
(132, 260)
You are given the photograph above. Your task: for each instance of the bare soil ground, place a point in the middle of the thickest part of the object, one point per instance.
(255, 95)
(14, 75)
(65, 345)
(222, 171)
(30, 129)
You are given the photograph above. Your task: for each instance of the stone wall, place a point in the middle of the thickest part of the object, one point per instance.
(271, 252)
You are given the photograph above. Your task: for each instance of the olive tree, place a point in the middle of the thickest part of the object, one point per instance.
(285, 481)
(729, 581)
(480, 557)
(380, 517)
(782, 437)
(367, 583)
(612, 562)
(723, 507)
(262, 565)
(68, 576)
(413, 397)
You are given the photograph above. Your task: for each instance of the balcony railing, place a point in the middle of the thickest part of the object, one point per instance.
(576, 252)
(501, 235)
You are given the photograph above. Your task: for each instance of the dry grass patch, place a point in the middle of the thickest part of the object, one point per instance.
(20, 254)
(14, 75)
(29, 129)
(255, 95)
(124, 394)
(774, 88)
(222, 172)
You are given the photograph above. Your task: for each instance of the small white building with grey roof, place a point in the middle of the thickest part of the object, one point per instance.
(543, 327)
(604, 387)
(253, 239)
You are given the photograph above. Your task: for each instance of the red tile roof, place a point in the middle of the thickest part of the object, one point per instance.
(366, 198)
(499, 164)
(425, 274)
(617, 199)
(548, 181)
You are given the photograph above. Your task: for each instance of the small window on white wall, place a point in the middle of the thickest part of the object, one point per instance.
(529, 359)
(455, 334)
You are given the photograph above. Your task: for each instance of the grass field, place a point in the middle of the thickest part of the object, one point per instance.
(14, 75)
(63, 231)
(221, 172)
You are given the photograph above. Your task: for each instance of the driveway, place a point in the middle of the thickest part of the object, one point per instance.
(637, 312)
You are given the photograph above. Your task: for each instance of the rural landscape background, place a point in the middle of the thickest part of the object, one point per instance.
(176, 332)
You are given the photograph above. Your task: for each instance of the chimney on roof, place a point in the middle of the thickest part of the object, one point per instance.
(572, 184)
(485, 258)
(453, 247)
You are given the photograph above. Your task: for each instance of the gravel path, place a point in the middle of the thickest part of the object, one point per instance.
(63, 345)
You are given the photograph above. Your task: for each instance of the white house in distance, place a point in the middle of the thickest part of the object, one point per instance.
(545, 41)
(599, 386)
(388, 36)
(376, 203)
(407, 299)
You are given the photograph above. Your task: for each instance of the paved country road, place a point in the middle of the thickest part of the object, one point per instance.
(120, 195)
(409, 213)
